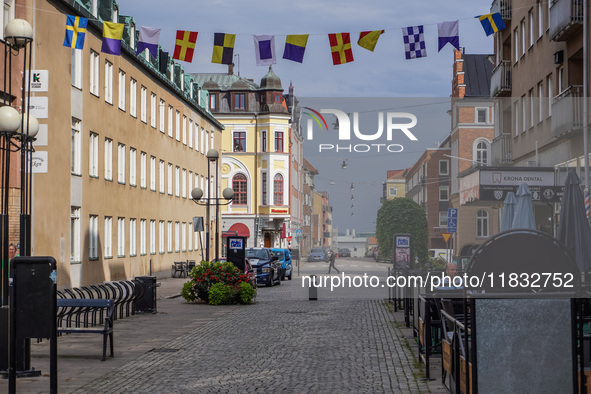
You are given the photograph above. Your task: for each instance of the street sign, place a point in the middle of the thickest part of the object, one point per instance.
(452, 220)
(298, 233)
(446, 237)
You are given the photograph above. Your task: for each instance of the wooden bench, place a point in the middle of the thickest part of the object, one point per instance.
(85, 316)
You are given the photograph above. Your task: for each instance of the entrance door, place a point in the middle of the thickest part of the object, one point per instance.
(267, 240)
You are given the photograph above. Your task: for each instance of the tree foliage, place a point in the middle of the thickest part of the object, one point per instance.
(402, 216)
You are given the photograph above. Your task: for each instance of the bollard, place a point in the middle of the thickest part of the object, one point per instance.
(389, 288)
(313, 290)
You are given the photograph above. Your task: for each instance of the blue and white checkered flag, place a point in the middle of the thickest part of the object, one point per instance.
(414, 42)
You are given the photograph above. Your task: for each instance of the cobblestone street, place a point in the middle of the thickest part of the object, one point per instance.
(277, 346)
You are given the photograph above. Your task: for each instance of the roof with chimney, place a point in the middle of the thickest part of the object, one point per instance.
(477, 73)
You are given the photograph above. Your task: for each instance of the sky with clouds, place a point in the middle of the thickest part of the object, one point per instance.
(425, 83)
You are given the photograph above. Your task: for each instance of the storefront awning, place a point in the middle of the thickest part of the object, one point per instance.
(239, 229)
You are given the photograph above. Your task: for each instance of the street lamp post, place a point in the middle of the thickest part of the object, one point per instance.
(197, 195)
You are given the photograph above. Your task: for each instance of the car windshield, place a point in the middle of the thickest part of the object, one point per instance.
(279, 254)
(317, 250)
(257, 254)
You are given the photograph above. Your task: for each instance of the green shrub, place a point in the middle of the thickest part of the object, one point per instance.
(246, 293)
(220, 293)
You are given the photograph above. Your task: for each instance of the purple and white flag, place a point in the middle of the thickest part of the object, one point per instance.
(448, 33)
(264, 48)
(414, 42)
(148, 39)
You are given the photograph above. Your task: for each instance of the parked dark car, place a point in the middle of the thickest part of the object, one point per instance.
(344, 252)
(317, 254)
(284, 256)
(268, 268)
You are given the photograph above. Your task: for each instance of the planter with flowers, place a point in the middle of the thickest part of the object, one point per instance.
(218, 283)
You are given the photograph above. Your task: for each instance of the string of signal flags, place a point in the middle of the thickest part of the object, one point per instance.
(264, 45)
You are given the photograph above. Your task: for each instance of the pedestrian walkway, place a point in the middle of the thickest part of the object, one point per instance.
(281, 343)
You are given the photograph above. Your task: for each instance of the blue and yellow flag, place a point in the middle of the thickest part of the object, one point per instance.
(491, 23)
(295, 47)
(75, 32)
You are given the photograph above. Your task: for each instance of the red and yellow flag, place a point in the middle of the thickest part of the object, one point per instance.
(185, 45)
(369, 39)
(340, 46)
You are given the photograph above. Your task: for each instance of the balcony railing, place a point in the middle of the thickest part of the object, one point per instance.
(501, 150)
(503, 7)
(500, 80)
(566, 19)
(567, 112)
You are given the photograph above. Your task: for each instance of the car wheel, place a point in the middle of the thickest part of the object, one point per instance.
(290, 275)
(282, 275)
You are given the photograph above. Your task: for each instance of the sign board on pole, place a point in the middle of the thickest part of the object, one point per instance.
(452, 220)
(446, 237)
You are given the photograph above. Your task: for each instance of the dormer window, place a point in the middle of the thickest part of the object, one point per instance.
(239, 101)
(278, 97)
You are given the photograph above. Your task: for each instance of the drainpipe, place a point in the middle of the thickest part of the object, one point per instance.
(256, 183)
(585, 94)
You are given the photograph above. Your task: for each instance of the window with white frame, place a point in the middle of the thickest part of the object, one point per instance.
(189, 238)
(177, 125)
(143, 104)
(93, 237)
(481, 152)
(442, 219)
(132, 166)
(516, 44)
(162, 105)
(523, 38)
(7, 15)
(443, 193)
(540, 19)
(108, 82)
(202, 150)
(443, 167)
(183, 236)
(516, 117)
(177, 237)
(121, 163)
(76, 148)
(196, 131)
(550, 94)
(122, 90)
(540, 101)
(212, 134)
(532, 108)
(93, 153)
(108, 228)
(531, 28)
(108, 159)
(561, 85)
(523, 113)
(190, 185)
(94, 73)
(75, 234)
(76, 68)
(161, 237)
(170, 179)
(132, 97)
(152, 236)
(142, 237)
(152, 173)
(169, 238)
(190, 134)
(482, 224)
(143, 177)
(393, 192)
(177, 181)
(120, 237)
(132, 237)
(481, 115)
(153, 105)
(184, 183)
(161, 176)
(170, 122)
(184, 130)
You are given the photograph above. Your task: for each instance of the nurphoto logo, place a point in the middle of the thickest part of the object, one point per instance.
(398, 124)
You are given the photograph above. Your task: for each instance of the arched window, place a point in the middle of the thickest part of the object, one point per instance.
(278, 189)
(482, 152)
(482, 223)
(239, 186)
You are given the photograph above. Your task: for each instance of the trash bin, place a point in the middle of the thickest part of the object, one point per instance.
(147, 302)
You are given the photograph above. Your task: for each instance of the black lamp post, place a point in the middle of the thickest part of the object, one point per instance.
(197, 195)
(17, 132)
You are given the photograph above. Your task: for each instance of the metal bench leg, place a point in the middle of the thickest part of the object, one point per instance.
(111, 340)
(105, 347)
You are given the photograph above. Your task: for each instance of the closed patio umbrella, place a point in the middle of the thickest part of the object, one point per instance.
(508, 211)
(573, 228)
(524, 212)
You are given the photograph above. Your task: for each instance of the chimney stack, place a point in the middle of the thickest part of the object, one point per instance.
(231, 69)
